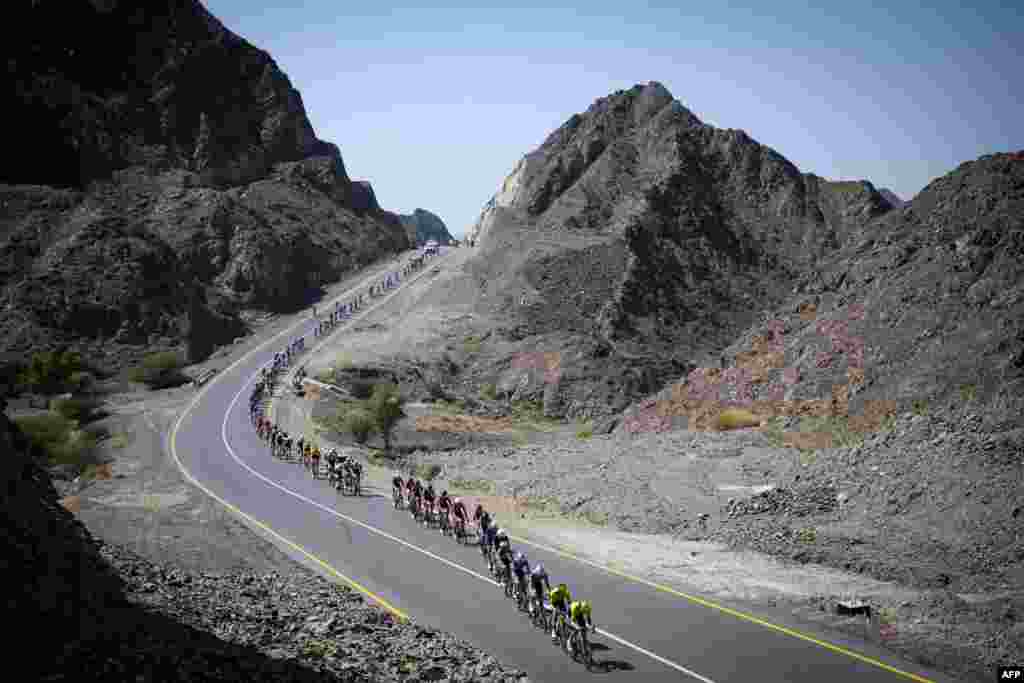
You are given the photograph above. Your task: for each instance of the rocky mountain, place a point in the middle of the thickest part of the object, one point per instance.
(636, 237)
(891, 197)
(165, 179)
(923, 306)
(422, 225)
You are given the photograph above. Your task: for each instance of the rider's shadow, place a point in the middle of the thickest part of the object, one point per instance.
(607, 665)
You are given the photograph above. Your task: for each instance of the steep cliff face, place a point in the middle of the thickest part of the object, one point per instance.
(422, 225)
(165, 177)
(636, 224)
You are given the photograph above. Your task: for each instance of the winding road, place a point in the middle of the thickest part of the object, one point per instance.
(645, 632)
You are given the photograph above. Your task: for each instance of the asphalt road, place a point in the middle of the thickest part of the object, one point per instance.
(645, 634)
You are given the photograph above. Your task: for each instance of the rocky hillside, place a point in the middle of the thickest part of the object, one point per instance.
(891, 197)
(922, 306)
(637, 237)
(421, 225)
(163, 180)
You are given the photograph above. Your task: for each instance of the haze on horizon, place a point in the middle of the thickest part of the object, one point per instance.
(435, 106)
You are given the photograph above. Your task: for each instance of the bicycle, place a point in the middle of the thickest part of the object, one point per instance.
(579, 645)
(460, 531)
(521, 595)
(539, 613)
(397, 496)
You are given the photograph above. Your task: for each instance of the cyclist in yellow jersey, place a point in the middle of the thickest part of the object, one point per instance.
(580, 614)
(560, 600)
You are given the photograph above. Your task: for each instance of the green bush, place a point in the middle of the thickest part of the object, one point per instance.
(82, 382)
(81, 410)
(385, 406)
(489, 391)
(968, 392)
(360, 424)
(584, 433)
(920, 407)
(163, 361)
(48, 372)
(160, 371)
(471, 344)
(361, 390)
(58, 439)
(427, 472)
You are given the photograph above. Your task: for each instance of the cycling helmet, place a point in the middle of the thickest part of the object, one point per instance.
(444, 494)
(539, 570)
(519, 556)
(458, 501)
(563, 587)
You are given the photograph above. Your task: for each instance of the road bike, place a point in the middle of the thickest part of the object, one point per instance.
(428, 515)
(460, 531)
(520, 594)
(539, 611)
(397, 496)
(579, 645)
(443, 519)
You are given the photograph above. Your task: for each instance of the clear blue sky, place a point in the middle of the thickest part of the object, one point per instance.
(435, 106)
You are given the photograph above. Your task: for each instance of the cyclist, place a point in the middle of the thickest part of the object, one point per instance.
(520, 565)
(316, 462)
(428, 498)
(483, 519)
(444, 506)
(580, 616)
(560, 601)
(505, 556)
(540, 583)
(459, 513)
(332, 458)
(487, 544)
(410, 484)
(397, 485)
(357, 471)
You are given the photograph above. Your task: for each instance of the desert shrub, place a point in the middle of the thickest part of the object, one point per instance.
(58, 439)
(361, 390)
(48, 372)
(81, 382)
(474, 485)
(489, 391)
(360, 424)
(80, 410)
(471, 344)
(160, 370)
(385, 405)
(736, 418)
(920, 407)
(427, 471)
(584, 433)
(968, 392)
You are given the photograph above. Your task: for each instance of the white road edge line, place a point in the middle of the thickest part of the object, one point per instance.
(216, 379)
(384, 534)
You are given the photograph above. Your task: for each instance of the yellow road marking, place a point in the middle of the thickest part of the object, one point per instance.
(728, 610)
(403, 616)
(188, 475)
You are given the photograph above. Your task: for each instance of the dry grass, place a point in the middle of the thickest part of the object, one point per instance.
(463, 423)
(72, 504)
(735, 418)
